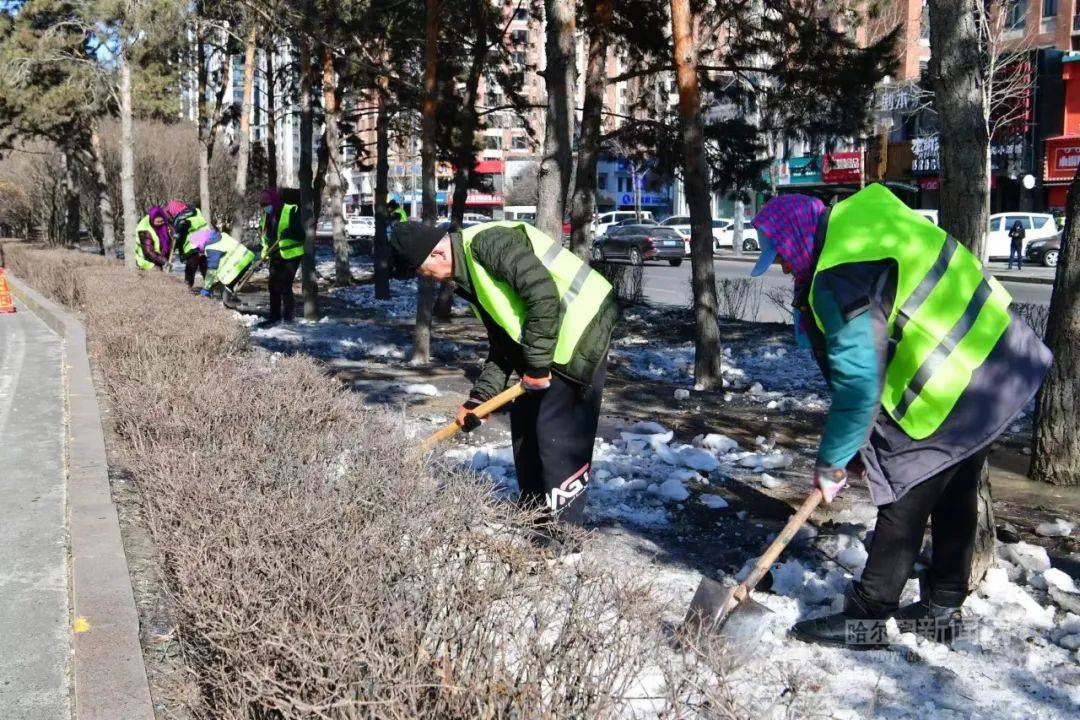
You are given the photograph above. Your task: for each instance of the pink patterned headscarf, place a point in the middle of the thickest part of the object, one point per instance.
(790, 222)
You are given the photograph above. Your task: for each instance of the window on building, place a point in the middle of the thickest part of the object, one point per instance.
(521, 14)
(519, 37)
(924, 21)
(493, 142)
(519, 142)
(1050, 8)
(1016, 14)
(601, 181)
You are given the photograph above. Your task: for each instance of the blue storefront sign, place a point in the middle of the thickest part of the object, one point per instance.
(646, 199)
(804, 170)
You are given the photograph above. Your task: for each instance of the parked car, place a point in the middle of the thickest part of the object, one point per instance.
(1037, 226)
(324, 228)
(359, 226)
(726, 237)
(632, 221)
(681, 225)
(606, 220)
(638, 243)
(1044, 252)
(474, 219)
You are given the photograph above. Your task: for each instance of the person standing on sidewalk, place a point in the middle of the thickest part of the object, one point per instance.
(549, 318)
(282, 235)
(927, 365)
(1016, 245)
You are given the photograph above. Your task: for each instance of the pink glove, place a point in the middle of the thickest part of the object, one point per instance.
(831, 481)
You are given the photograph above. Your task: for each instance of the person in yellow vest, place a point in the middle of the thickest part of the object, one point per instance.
(185, 220)
(153, 240)
(927, 365)
(549, 318)
(282, 235)
(226, 259)
(397, 214)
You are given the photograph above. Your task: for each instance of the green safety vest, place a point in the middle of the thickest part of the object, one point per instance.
(288, 248)
(399, 215)
(196, 222)
(582, 291)
(140, 259)
(948, 313)
(237, 258)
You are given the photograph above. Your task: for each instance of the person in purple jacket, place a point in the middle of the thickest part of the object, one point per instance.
(153, 241)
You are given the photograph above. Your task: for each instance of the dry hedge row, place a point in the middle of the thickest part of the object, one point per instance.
(320, 573)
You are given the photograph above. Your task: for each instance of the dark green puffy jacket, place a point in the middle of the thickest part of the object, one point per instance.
(508, 256)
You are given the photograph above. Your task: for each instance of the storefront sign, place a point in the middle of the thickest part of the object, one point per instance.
(801, 171)
(926, 152)
(842, 167)
(1062, 158)
(479, 198)
(646, 199)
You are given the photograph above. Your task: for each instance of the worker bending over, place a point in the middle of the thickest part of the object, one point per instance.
(152, 240)
(226, 259)
(186, 220)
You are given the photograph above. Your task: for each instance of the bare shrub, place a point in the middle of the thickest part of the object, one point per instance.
(780, 299)
(1034, 315)
(738, 298)
(625, 279)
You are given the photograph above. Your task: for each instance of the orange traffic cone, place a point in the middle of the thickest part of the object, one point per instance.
(6, 303)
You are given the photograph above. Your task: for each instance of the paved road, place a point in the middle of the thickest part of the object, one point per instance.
(35, 643)
(665, 285)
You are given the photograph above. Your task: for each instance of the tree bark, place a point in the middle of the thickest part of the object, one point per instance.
(108, 221)
(307, 189)
(560, 79)
(583, 200)
(707, 370)
(957, 69)
(205, 124)
(1057, 428)
(738, 210)
(240, 187)
(334, 185)
(380, 247)
(271, 118)
(72, 204)
(426, 288)
(127, 162)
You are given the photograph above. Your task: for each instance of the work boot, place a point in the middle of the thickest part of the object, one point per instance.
(927, 619)
(858, 627)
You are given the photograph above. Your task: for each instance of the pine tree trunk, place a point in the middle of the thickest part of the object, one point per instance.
(108, 221)
(307, 189)
(334, 187)
(380, 247)
(707, 370)
(956, 70)
(242, 212)
(426, 288)
(271, 118)
(583, 200)
(205, 125)
(738, 210)
(560, 79)
(127, 162)
(72, 205)
(1057, 429)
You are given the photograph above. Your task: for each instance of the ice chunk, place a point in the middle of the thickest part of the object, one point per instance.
(1058, 528)
(776, 461)
(756, 389)
(501, 456)
(479, 461)
(1030, 557)
(1070, 642)
(716, 442)
(664, 452)
(698, 459)
(671, 489)
(714, 501)
(1011, 603)
(421, 389)
(648, 428)
(793, 580)
(682, 394)
(853, 557)
(752, 460)
(770, 482)
(1058, 579)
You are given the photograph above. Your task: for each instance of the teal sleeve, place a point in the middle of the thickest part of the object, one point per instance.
(854, 380)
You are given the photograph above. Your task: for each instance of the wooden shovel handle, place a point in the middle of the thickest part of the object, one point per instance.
(773, 551)
(482, 411)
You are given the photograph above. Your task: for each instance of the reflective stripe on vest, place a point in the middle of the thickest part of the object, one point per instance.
(948, 313)
(140, 259)
(581, 290)
(235, 261)
(288, 248)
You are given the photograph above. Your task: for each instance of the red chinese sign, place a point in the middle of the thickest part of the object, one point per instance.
(842, 167)
(1062, 158)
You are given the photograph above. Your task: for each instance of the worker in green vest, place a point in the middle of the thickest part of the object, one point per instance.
(152, 240)
(184, 221)
(397, 214)
(226, 259)
(549, 318)
(927, 365)
(282, 235)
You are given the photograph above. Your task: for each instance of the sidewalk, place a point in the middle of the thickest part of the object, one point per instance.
(35, 639)
(1032, 274)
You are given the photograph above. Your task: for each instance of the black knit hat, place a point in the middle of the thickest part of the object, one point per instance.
(412, 242)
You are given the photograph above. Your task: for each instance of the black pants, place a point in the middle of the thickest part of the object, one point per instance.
(282, 275)
(949, 500)
(1016, 255)
(194, 262)
(553, 433)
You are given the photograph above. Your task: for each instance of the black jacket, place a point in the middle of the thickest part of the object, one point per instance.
(507, 255)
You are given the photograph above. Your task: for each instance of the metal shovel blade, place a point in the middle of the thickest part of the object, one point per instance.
(718, 613)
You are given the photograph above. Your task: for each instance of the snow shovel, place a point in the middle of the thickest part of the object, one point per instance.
(253, 268)
(731, 613)
(482, 411)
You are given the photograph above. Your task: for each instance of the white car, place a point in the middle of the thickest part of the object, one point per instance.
(681, 225)
(726, 237)
(604, 221)
(1037, 226)
(931, 215)
(475, 219)
(360, 226)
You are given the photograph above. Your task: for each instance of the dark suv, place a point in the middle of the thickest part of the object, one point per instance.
(1044, 252)
(638, 243)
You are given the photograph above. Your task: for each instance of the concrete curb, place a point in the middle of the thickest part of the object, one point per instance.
(110, 676)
